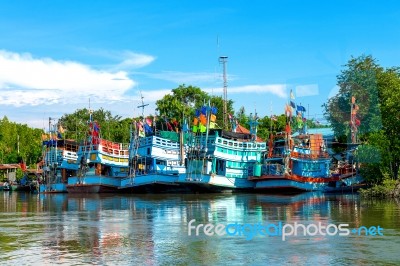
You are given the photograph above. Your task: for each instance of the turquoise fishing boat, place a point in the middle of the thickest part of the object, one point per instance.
(218, 160)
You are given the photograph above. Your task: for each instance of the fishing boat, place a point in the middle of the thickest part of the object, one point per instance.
(218, 160)
(101, 164)
(58, 162)
(301, 162)
(156, 161)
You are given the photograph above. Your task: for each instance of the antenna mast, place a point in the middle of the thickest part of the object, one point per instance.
(223, 60)
(143, 105)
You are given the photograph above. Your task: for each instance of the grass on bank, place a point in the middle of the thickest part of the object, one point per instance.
(388, 189)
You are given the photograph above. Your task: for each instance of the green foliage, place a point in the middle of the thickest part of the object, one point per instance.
(384, 190)
(377, 93)
(18, 142)
(360, 80)
(184, 100)
(76, 125)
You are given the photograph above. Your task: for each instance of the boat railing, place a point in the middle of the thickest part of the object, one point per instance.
(160, 141)
(110, 148)
(312, 155)
(240, 145)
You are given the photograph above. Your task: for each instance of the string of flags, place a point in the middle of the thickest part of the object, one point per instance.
(200, 119)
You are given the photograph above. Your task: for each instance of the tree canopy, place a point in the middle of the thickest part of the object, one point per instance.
(377, 93)
(184, 100)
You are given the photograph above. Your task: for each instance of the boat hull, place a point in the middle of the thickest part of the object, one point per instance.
(93, 184)
(91, 188)
(53, 188)
(287, 183)
(153, 183)
(216, 183)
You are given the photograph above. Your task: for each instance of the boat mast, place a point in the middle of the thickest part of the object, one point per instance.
(142, 105)
(223, 60)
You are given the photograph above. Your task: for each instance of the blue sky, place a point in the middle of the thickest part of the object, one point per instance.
(56, 55)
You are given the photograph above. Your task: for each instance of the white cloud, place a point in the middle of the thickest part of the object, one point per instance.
(307, 90)
(25, 80)
(276, 89)
(155, 95)
(134, 60)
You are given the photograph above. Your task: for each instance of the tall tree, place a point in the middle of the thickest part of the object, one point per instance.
(359, 80)
(377, 93)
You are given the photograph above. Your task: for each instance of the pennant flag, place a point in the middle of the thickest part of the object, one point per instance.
(96, 127)
(148, 129)
(203, 128)
(288, 110)
(288, 129)
(293, 104)
(301, 108)
(291, 95)
(169, 126)
(213, 118)
(60, 129)
(203, 119)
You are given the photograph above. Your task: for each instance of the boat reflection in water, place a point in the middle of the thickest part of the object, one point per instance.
(153, 229)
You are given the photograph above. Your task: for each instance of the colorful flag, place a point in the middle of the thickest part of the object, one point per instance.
(60, 129)
(301, 108)
(291, 95)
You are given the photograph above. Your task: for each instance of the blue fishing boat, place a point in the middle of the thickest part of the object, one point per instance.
(301, 162)
(59, 161)
(302, 165)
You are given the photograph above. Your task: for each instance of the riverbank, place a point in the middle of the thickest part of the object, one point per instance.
(388, 189)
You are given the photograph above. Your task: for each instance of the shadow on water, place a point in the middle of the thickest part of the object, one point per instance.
(152, 229)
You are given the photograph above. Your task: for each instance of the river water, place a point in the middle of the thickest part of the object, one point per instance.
(67, 229)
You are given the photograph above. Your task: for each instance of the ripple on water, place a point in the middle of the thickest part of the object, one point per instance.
(152, 230)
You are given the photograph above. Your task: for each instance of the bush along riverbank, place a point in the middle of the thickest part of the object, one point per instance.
(388, 189)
